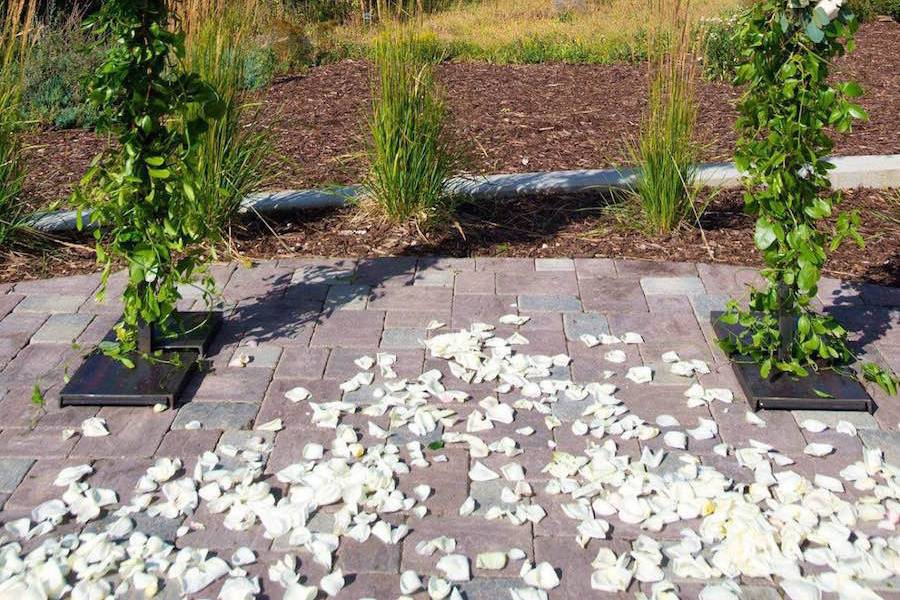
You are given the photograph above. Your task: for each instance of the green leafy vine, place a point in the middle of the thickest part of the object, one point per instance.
(142, 195)
(785, 114)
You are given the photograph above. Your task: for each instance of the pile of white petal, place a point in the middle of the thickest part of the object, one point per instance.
(811, 537)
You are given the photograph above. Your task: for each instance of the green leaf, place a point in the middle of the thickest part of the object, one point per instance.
(857, 112)
(822, 394)
(765, 234)
(852, 89)
(814, 33)
(808, 277)
(439, 444)
(37, 396)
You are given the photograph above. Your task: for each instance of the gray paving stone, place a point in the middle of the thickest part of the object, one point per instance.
(50, 304)
(12, 472)
(261, 357)
(490, 588)
(861, 420)
(217, 415)
(705, 304)
(364, 395)
(554, 264)
(578, 324)
(569, 410)
(487, 494)
(434, 278)
(164, 529)
(398, 338)
(61, 328)
(672, 286)
(345, 296)
(887, 441)
(540, 303)
(759, 592)
(404, 436)
(340, 271)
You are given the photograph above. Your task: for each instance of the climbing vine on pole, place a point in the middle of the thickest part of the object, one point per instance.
(142, 194)
(785, 114)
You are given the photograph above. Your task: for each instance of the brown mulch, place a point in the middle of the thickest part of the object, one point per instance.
(511, 118)
(576, 226)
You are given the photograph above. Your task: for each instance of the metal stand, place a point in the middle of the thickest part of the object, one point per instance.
(785, 392)
(102, 381)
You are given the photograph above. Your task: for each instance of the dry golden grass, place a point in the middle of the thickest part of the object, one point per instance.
(493, 29)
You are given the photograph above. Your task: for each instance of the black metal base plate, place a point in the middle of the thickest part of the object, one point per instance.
(784, 392)
(102, 381)
(199, 330)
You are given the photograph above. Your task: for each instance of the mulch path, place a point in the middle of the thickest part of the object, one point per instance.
(575, 226)
(510, 118)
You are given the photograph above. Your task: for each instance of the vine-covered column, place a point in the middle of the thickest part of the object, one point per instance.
(142, 194)
(786, 113)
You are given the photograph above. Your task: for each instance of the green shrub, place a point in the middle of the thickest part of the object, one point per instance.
(259, 68)
(867, 10)
(721, 52)
(665, 150)
(60, 61)
(410, 152)
(231, 157)
(15, 29)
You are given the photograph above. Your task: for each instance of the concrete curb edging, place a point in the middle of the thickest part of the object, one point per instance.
(875, 171)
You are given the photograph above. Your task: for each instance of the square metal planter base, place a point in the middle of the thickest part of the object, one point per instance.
(784, 392)
(102, 381)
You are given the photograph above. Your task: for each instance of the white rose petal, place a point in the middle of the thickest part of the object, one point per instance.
(818, 449)
(94, 427)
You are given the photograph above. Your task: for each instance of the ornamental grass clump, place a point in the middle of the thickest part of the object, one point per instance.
(16, 22)
(232, 155)
(788, 106)
(410, 151)
(665, 150)
(143, 195)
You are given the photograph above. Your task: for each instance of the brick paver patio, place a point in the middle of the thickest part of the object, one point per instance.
(303, 323)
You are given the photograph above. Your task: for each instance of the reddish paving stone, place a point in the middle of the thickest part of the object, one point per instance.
(504, 265)
(440, 263)
(474, 308)
(305, 363)
(410, 298)
(37, 361)
(371, 556)
(476, 282)
(370, 585)
(449, 482)
(416, 318)
(21, 325)
(341, 364)
(296, 414)
(37, 486)
(649, 268)
(473, 536)
(349, 329)
(133, 432)
(8, 302)
(594, 267)
(589, 364)
(781, 430)
(120, 475)
(394, 271)
(187, 445)
(71, 285)
(678, 327)
(664, 304)
(726, 279)
(43, 442)
(613, 295)
(559, 283)
(224, 385)
(572, 563)
(215, 536)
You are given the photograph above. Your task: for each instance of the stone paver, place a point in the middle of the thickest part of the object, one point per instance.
(549, 303)
(672, 286)
(311, 318)
(12, 472)
(578, 324)
(217, 415)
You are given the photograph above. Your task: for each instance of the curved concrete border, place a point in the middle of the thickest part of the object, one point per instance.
(876, 171)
